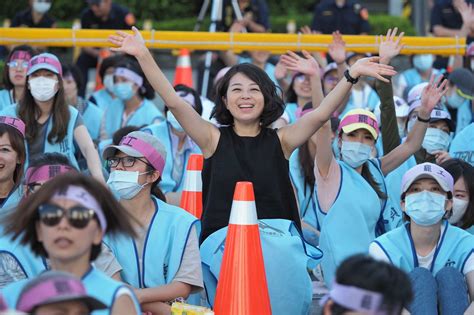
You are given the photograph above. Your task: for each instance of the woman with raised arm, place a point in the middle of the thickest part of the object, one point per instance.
(246, 149)
(356, 182)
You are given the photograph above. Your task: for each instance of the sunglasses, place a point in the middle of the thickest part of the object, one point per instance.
(77, 216)
(15, 64)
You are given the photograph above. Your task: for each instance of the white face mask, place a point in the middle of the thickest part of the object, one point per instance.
(42, 88)
(174, 122)
(125, 183)
(425, 208)
(109, 82)
(459, 208)
(41, 7)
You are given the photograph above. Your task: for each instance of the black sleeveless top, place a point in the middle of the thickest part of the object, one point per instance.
(259, 160)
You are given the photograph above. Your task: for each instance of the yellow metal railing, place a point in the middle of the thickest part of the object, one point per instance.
(276, 43)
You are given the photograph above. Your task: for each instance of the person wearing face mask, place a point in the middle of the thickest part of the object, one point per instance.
(341, 183)
(171, 267)
(91, 114)
(35, 16)
(132, 105)
(179, 146)
(463, 198)
(421, 72)
(53, 126)
(459, 97)
(14, 75)
(438, 257)
(105, 96)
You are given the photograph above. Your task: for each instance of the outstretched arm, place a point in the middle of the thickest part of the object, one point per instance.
(295, 135)
(430, 96)
(205, 134)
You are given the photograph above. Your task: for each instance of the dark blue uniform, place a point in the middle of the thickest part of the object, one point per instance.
(444, 14)
(25, 19)
(351, 18)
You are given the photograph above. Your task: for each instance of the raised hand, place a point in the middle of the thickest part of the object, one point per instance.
(307, 30)
(431, 95)
(280, 70)
(130, 44)
(337, 49)
(307, 65)
(390, 46)
(372, 68)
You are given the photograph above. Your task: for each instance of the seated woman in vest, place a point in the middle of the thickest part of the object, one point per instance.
(438, 256)
(162, 262)
(52, 125)
(366, 286)
(14, 75)
(132, 105)
(179, 146)
(65, 222)
(105, 96)
(12, 157)
(463, 194)
(91, 114)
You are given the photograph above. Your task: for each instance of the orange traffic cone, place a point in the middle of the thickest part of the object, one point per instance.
(242, 286)
(184, 72)
(191, 197)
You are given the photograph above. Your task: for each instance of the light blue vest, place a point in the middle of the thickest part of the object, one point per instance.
(290, 109)
(92, 116)
(66, 146)
(102, 99)
(462, 146)
(12, 200)
(394, 181)
(97, 284)
(358, 212)
(162, 132)
(163, 250)
(455, 247)
(464, 116)
(372, 101)
(286, 257)
(146, 114)
(6, 98)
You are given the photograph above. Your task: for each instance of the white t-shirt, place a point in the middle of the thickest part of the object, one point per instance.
(423, 261)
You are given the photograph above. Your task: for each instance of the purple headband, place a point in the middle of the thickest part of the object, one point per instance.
(45, 172)
(49, 289)
(359, 118)
(14, 122)
(83, 197)
(148, 151)
(21, 54)
(356, 299)
(46, 60)
(129, 74)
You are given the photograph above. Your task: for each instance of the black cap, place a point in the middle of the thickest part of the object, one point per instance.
(464, 81)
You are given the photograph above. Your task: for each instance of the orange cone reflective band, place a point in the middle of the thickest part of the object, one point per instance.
(184, 72)
(191, 197)
(242, 286)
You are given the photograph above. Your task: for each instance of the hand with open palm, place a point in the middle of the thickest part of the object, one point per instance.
(337, 49)
(307, 65)
(431, 95)
(372, 68)
(390, 46)
(127, 43)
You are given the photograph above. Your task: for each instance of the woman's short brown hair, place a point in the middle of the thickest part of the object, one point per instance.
(21, 223)
(18, 145)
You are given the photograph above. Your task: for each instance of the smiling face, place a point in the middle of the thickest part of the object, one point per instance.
(302, 86)
(65, 243)
(244, 99)
(8, 159)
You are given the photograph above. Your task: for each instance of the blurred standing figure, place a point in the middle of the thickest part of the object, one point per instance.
(35, 16)
(101, 14)
(345, 16)
(254, 13)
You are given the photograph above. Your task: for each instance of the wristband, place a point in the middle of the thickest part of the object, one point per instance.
(349, 78)
(423, 120)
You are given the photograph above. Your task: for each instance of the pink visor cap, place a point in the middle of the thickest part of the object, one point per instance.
(14, 122)
(45, 172)
(140, 144)
(428, 170)
(55, 287)
(45, 61)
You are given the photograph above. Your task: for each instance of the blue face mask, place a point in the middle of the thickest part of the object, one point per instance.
(425, 208)
(423, 62)
(401, 131)
(123, 90)
(436, 140)
(125, 183)
(455, 100)
(355, 153)
(174, 122)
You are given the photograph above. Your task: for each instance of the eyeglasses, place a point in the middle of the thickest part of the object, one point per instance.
(77, 216)
(14, 64)
(300, 78)
(127, 161)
